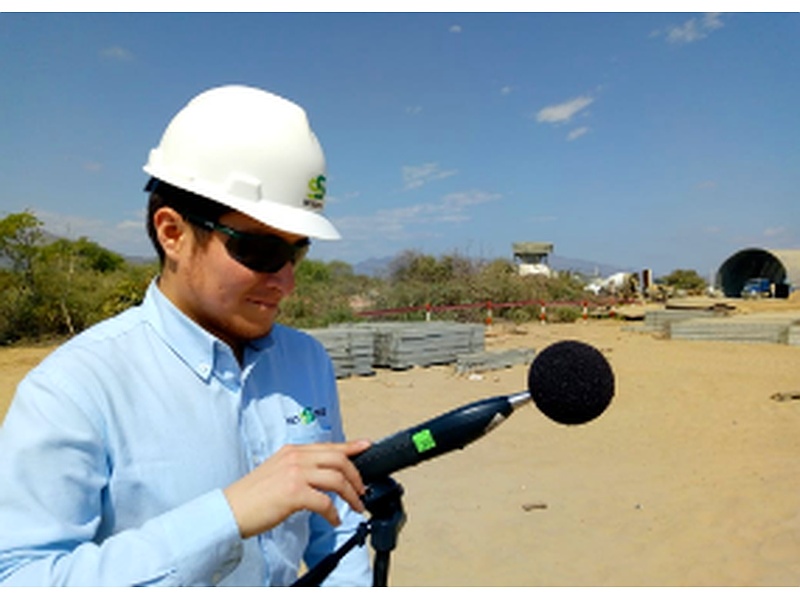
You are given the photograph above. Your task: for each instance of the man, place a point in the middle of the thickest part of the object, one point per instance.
(192, 440)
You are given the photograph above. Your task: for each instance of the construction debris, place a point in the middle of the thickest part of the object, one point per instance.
(529, 506)
(784, 396)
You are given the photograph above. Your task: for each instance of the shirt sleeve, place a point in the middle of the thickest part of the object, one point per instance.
(54, 472)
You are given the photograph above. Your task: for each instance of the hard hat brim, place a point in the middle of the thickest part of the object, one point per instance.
(273, 214)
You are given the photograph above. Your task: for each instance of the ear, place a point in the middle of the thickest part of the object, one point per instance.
(171, 231)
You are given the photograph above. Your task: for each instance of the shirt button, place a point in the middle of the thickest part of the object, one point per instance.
(204, 369)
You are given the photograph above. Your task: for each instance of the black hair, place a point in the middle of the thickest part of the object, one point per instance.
(164, 194)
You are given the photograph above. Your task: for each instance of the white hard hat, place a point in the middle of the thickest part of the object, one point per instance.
(250, 150)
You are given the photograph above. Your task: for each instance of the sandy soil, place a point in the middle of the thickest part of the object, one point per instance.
(690, 478)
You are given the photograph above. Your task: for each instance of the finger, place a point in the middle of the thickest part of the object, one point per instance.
(336, 456)
(342, 478)
(320, 503)
(318, 495)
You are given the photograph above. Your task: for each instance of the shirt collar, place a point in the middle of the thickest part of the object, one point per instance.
(190, 342)
(202, 352)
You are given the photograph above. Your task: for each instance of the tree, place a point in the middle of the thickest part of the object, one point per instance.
(62, 287)
(686, 279)
(81, 254)
(20, 237)
(322, 295)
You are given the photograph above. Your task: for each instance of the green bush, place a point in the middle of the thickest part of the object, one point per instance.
(685, 279)
(62, 287)
(417, 280)
(322, 295)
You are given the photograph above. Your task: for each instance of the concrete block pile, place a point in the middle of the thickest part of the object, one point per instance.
(352, 351)
(757, 328)
(480, 362)
(356, 349)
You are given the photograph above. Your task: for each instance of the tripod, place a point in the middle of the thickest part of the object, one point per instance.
(383, 501)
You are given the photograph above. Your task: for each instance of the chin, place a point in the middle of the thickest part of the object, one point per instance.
(253, 331)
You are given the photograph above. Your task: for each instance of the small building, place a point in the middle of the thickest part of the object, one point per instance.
(531, 257)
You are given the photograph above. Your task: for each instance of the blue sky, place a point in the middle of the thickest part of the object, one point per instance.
(644, 140)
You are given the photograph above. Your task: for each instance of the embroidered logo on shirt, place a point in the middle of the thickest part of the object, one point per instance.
(306, 416)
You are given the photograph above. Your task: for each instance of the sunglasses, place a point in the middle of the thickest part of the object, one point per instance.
(265, 253)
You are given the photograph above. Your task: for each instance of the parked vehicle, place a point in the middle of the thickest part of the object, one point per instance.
(757, 287)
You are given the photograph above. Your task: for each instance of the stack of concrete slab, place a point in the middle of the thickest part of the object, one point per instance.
(764, 328)
(356, 348)
(479, 362)
(661, 321)
(405, 345)
(352, 351)
(793, 339)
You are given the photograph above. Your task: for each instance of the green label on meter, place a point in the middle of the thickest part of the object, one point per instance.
(423, 440)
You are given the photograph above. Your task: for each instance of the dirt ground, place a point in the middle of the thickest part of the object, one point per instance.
(690, 478)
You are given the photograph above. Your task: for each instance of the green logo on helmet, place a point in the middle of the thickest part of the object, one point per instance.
(316, 193)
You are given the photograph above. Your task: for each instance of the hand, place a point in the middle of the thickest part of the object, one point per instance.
(296, 478)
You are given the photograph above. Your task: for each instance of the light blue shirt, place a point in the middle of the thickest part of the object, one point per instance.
(116, 448)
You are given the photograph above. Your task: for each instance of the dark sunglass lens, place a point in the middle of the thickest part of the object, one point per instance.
(265, 254)
(258, 255)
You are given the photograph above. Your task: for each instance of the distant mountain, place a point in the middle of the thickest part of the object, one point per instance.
(139, 260)
(373, 267)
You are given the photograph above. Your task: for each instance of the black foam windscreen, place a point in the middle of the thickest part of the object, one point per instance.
(571, 382)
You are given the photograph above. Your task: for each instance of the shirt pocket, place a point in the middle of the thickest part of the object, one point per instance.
(308, 433)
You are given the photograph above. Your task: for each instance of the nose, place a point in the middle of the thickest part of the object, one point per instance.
(284, 278)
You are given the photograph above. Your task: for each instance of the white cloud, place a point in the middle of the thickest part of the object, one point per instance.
(404, 222)
(506, 90)
(127, 236)
(455, 29)
(413, 110)
(130, 224)
(346, 197)
(117, 53)
(458, 201)
(712, 21)
(707, 185)
(772, 232)
(692, 30)
(92, 166)
(417, 176)
(563, 112)
(576, 133)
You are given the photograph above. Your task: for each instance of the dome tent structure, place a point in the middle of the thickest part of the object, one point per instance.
(781, 267)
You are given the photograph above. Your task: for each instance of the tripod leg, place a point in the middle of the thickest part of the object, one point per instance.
(317, 575)
(383, 500)
(380, 573)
